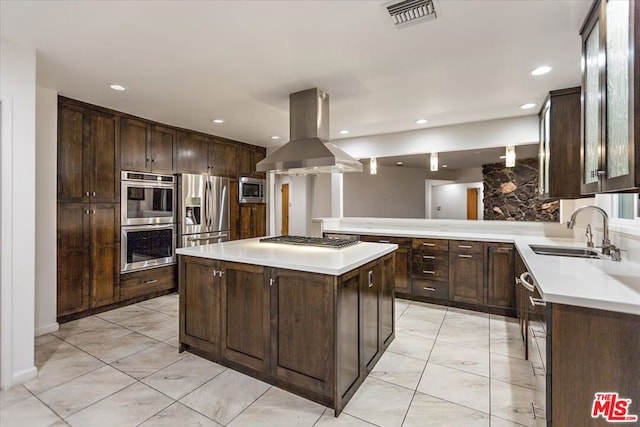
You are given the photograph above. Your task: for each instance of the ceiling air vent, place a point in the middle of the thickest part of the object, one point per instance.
(409, 12)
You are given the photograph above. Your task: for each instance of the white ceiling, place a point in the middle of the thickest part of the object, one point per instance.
(186, 62)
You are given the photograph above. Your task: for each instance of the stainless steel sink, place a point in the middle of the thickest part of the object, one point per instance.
(565, 251)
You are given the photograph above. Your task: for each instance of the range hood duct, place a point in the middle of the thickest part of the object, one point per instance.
(308, 151)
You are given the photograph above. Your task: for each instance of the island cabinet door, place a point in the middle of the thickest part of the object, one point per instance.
(200, 304)
(387, 301)
(370, 288)
(245, 306)
(348, 364)
(302, 334)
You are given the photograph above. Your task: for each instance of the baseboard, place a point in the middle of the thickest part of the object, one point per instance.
(47, 329)
(25, 375)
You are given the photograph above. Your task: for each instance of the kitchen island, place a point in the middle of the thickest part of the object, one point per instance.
(311, 320)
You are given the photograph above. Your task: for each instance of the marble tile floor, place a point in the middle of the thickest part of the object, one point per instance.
(446, 367)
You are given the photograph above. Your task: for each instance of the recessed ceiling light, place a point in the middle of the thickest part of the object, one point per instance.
(344, 132)
(117, 87)
(399, 163)
(217, 121)
(421, 121)
(528, 106)
(444, 166)
(275, 137)
(502, 157)
(540, 70)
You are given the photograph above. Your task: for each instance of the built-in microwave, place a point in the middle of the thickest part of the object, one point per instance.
(147, 198)
(251, 190)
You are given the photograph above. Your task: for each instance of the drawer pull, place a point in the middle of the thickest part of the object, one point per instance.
(536, 301)
(465, 246)
(384, 241)
(428, 257)
(370, 273)
(429, 288)
(525, 283)
(428, 272)
(465, 256)
(148, 282)
(428, 244)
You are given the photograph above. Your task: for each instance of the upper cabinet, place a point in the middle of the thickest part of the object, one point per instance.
(248, 157)
(223, 158)
(88, 154)
(192, 153)
(559, 152)
(145, 147)
(610, 104)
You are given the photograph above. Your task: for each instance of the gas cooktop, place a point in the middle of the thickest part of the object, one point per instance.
(310, 241)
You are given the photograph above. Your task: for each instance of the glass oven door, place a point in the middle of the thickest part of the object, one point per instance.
(147, 246)
(147, 203)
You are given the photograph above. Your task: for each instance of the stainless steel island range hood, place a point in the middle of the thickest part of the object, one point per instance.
(308, 151)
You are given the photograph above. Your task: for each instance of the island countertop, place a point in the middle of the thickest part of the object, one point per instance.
(302, 258)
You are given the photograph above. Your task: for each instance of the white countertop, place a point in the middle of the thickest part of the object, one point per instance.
(593, 283)
(303, 258)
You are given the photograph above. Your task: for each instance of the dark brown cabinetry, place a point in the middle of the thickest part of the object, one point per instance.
(200, 304)
(402, 259)
(192, 153)
(466, 272)
(500, 272)
(248, 157)
(252, 220)
(559, 154)
(610, 97)
(430, 268)
(314, 334)
(88, 264)
(147, 282)
(223, 159)
(145, 147)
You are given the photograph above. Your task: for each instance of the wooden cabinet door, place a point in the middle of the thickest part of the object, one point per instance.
(466, 274)
(200, 304)
(245, 157)
(72, 259)
(162, 144)
(403, 270)
(223, 159)
(103, 163)
(259, 153)
(192, 153)
(135, 138)
(246, 220)
(349, 366)
(387, 300)
(371, 287)
(500, 274)
(104, 247)
(302, 334)
(245, 315)
(71, 142)
(260, 220)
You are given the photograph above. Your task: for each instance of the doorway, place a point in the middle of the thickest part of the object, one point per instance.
(472, 203)
(285, 210)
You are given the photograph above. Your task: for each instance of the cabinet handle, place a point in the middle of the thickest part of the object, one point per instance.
(465, 246)
(153, 160)
(215, 273)
(271, 281)
(536, 301)
(602, 173)
(429, 288)
(465, 256)
(93, 194)
(428, 272)
(87, 194)
(523, 280)
(428, 257)
(428, 244)
(371, 278)
(148, 282)
(87, 212)
(93, 211)
(384, 241)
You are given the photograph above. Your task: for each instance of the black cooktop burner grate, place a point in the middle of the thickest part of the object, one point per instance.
(310, 241)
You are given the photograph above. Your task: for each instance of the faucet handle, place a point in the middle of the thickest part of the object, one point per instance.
(615, 253)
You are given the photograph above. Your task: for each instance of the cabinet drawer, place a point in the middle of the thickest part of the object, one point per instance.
(431, 244)
(430, 267)
(465, 246)
(430, 288)
(147, 282)
(400, 241)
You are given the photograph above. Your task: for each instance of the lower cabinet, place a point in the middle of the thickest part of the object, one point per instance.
(466, 272)
(402, 259)
(88, 256)
(316, 335)
(500, 264)
(252, 220)
(145, 282)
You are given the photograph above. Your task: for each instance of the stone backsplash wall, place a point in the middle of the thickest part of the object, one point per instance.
(512, 193)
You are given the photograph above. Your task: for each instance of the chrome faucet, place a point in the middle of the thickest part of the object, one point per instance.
(589, 235)
(607, 247)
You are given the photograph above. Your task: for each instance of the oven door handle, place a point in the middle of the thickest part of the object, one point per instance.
(199, 239)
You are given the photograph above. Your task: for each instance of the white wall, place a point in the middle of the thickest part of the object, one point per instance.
(300, 198)
(17, 214)
(322, 203)
(46, 166)
(471, 175)
(452, 200)
(393, 192)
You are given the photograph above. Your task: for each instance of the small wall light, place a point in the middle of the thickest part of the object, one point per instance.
(434, 162)
(510, 156)
(373, 166)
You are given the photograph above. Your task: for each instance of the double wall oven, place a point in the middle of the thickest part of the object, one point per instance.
(148, 221)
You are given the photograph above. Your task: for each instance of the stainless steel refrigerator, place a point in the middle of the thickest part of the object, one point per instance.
(203, 209)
